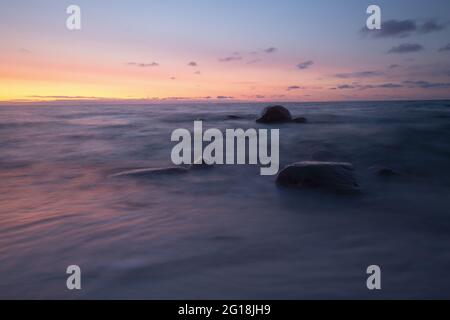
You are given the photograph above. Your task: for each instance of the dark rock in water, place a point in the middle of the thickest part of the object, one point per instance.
(275, 114)
(300, 120)
(332, 176)
(151, 172)
(147, 172)
(384, 171)
(323, 155)
(278, 114)
(233, 117)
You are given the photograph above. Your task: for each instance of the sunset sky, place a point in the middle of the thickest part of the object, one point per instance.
(222, 50)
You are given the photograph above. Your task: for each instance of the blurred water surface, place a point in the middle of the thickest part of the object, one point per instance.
(225, 232)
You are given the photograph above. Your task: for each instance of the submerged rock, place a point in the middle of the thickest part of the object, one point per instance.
(300, 120)
(275, 114)
(197, 164)
(332, 176)
(384, 171)
(151, 172)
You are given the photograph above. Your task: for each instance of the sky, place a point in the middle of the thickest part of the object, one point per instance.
(223, 50)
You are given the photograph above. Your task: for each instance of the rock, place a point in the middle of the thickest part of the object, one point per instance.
(146, 172)
(300, 120)
(332, 176)
(385, 172)
(278, 114)
(151, 172)
(275, 114)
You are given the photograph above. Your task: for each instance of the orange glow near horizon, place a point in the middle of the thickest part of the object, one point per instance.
(24, 77)
(28, 79)
(52, 75)
(33, 77)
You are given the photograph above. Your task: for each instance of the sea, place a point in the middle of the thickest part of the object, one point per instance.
(225, 232)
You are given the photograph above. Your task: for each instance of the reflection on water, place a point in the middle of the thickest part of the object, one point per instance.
(226, 232)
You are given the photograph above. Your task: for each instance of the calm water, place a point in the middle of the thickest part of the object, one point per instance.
(224, 232)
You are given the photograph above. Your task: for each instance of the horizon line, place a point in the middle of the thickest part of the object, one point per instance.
(137, 102)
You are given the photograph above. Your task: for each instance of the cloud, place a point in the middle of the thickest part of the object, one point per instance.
(409, 84)
(394, 66)
(271, 50)
(224, 97)
(192, 64)
(426, 85)
(406, 48)
(368, 86)
(143, 65)
(389, 85)
(172, 78)
(392, 28)
(446, 48)
(305, 65)
(344, 86)
(359, 74)
(431, 26)
(290, 88)
(175, 98)
(231, 58)
(404, 28)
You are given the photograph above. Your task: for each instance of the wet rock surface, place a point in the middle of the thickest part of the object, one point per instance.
(332, 176)
(151, 172)
(299, 120)
(275, 114)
